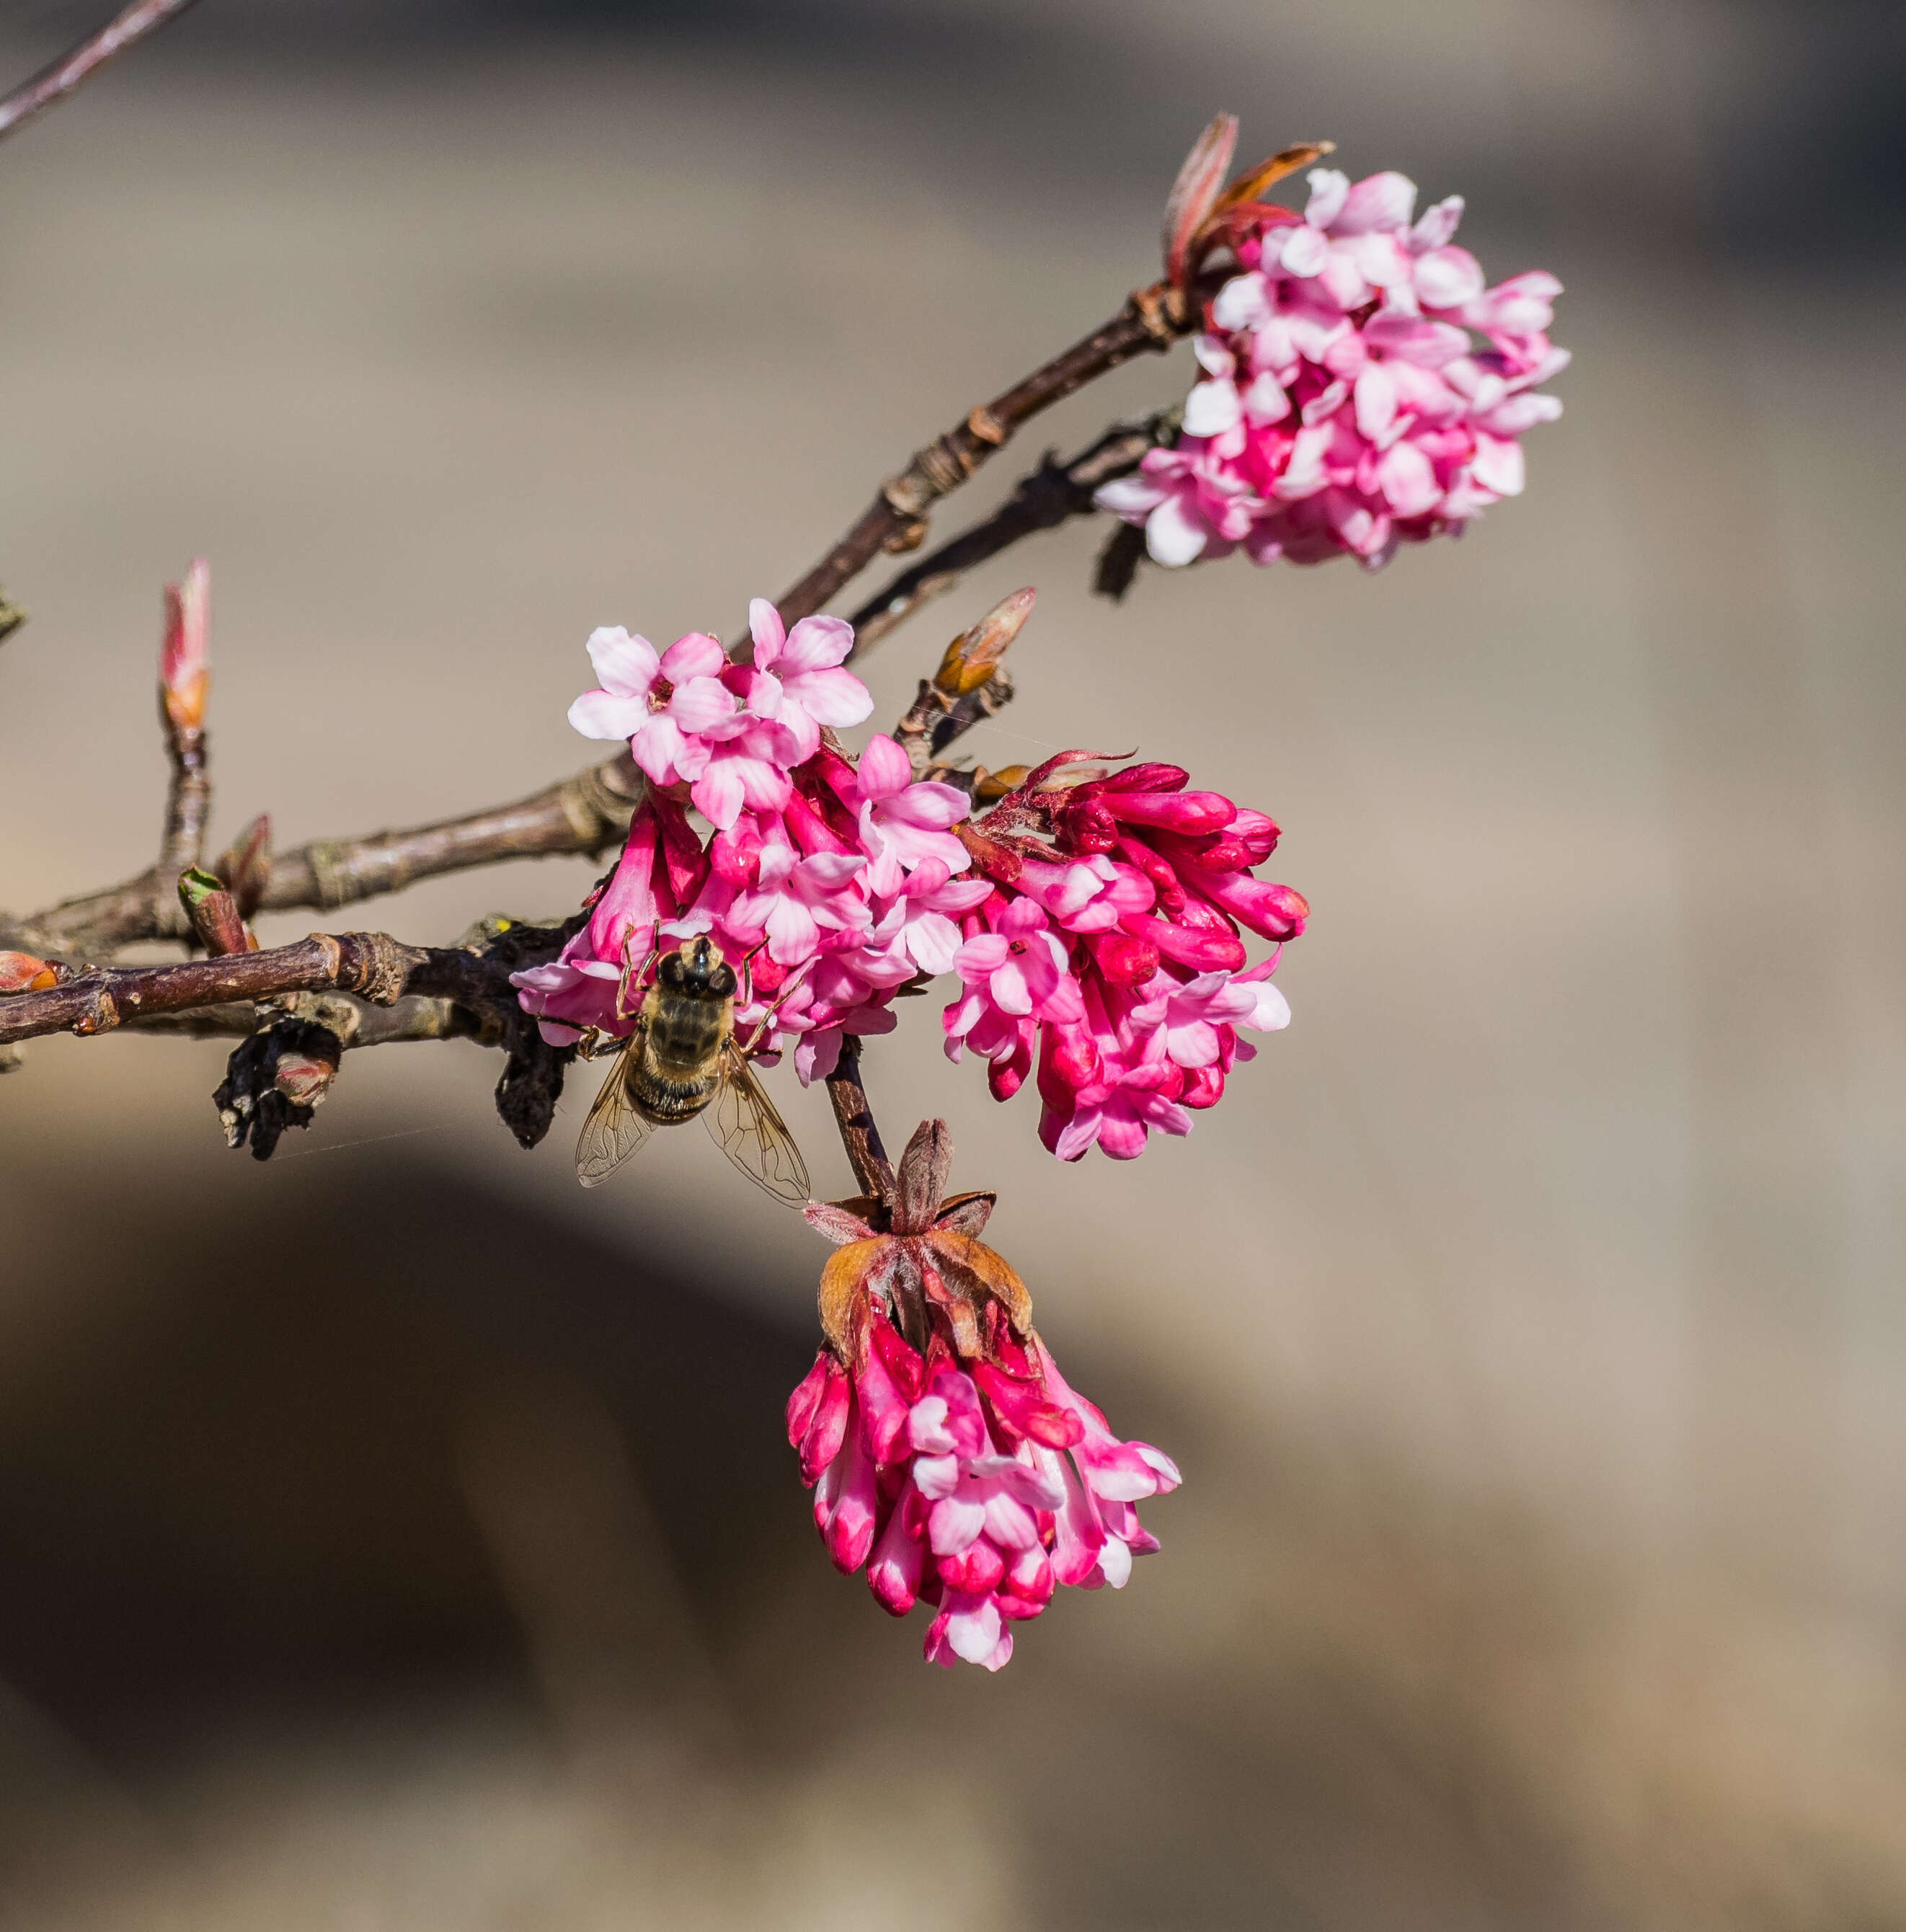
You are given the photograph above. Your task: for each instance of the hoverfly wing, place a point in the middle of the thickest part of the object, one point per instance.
(614, 1128)
(747, 1130)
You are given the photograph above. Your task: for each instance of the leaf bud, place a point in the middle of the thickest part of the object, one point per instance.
(213, 913)
(23, 973)
(245, 867)
(972, 656)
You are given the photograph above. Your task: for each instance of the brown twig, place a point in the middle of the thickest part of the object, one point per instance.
(188, 805)
(582, 814)
(1153, 318)
(371, 963)
(873, 1172)
(1050, 496)
(414, 1017)
(56, 81)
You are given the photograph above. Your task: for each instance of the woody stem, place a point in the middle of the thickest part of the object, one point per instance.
(1153, 318)
(859, 1134)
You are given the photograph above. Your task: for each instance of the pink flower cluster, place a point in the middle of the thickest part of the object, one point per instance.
(1346, 406)
(976, 1487)
(1111, 943)
(1098, 922)
(834, 881)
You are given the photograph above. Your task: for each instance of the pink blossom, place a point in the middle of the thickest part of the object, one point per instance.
(1117, 1112)
(659, 704)
(1088, 895)
(1343, 405)
(1098, 1532)
(740, 767)
(904, 824)
(798, 683)
(1017, 972)
(1190, 1014)
(579, 989)
(976, 1485)
(795, 899)
(916, 935)
(572, 994)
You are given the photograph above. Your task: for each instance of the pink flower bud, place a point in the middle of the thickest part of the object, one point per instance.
(894, 1574)
(1124, 958)
(1258, 834)
(184, 672)
(1270, 911)
(821, 1442)
(1186, 812)
(1204, 948)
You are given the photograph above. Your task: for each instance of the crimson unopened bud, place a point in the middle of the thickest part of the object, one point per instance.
(23, 973)
(184, 669)
(972, 656)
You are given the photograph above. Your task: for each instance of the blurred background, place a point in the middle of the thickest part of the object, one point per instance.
(394, 1536)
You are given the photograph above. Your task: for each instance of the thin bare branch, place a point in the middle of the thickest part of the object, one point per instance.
(372, 964)
(80, 63)
(188, 805)
(581, 815)
(1051, 495)
(873, 1172)
(1153, 318)
(415, 1017)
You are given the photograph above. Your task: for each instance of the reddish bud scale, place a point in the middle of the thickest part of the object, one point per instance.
(24, 973)
(184, 674)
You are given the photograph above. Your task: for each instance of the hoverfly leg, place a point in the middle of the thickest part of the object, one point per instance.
(629, 970)
(763, 1025)
(747, 964)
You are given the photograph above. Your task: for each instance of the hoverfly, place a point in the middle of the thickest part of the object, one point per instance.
(683, 1059)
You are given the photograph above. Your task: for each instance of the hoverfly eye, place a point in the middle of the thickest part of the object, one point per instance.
(724, 981)
(670, 971)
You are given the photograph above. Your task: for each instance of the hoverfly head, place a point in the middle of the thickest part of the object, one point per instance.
(700, 968)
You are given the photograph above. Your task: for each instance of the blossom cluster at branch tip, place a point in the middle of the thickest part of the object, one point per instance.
(185, 657)
(945, 1450)
(1094, 921)
(1111, 947)
(1345, 405)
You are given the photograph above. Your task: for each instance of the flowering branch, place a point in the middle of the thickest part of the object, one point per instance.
(80, 63)
(1090, 918)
